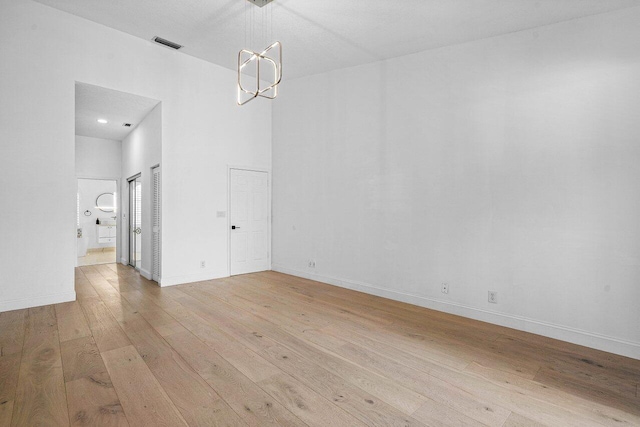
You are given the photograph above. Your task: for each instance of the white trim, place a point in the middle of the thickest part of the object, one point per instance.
(189, 278)
(146, 274)
(267, 170)
(37, 301)
(560, 332)
(123, 261)
(250, 168)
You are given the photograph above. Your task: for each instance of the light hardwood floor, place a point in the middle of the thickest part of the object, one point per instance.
(93, 257)
(271, 349)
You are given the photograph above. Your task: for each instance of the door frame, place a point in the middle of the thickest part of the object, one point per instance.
(119, 214)
(267, 170)
(131, 179)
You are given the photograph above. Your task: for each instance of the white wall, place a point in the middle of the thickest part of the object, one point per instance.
(203, 130)
(142, 150)
(98, 158)
(508, 164)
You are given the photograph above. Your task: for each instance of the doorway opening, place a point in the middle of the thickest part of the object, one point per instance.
(118, 135)
(97, 218)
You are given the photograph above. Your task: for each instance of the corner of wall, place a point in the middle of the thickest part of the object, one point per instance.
(563, 333)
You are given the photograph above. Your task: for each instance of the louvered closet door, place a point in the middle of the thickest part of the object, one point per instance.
(156, 224)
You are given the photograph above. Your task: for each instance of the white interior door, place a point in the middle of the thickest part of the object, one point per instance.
(156, 224)
(249, 220)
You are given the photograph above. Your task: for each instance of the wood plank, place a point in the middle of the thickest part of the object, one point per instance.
(442, 338)
(272, 349)
(146, 305)
(436, 414)
(461, 387)
(461, 382)
(533, 346)
(40, 395)
(367, 408)
(614, 374)
(12, 324)
(144, 401)
(105, 329)
(128, 317)
(517, 401)
(12, 327)
(198, 403)
(364, 406)
(249, 401)
(346, 317)
(9, 370)
(84, 290)
(94, 402)
(242, 358)
(305, 403)
(598, 412)
(71, 321)
(429, 386)
(6, 411)
(592, 390)
(389, 391)
(377, 385)
(81, 358)
(517, 420)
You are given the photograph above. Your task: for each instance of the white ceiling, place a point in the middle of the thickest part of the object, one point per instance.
(95, 102)
(322, 35)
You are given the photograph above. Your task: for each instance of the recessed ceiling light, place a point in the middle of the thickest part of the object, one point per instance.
(103, 121)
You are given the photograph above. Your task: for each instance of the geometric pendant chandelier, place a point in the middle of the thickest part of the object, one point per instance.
(265, 67)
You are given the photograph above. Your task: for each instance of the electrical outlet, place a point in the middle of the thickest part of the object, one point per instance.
(445, 288)
(202, 264)
(493, 297)
(312, 263)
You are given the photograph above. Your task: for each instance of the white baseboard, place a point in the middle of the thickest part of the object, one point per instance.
(37, 301)
(146, 274)
(190, 278)
(563, 333)
(123, 261)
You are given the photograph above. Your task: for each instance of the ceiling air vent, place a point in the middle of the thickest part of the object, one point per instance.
(167, 43)
(127, 125)
(261, 3)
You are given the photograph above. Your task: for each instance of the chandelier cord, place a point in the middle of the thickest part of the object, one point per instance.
(265, 65)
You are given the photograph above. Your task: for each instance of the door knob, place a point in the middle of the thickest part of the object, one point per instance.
(233, 227)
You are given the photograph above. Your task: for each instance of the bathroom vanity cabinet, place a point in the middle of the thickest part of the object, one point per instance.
(106, 233)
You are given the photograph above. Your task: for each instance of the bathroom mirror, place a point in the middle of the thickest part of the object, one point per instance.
(106, 202)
